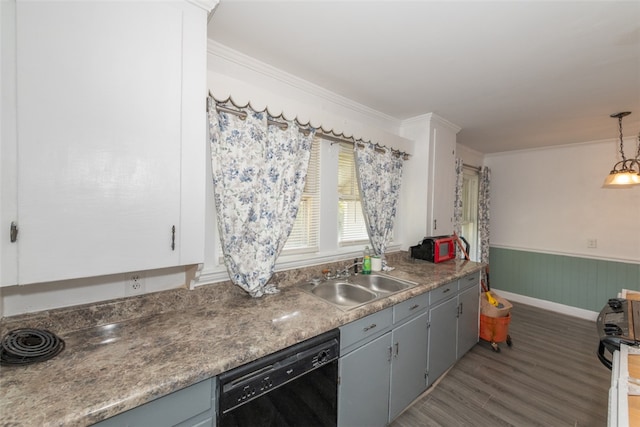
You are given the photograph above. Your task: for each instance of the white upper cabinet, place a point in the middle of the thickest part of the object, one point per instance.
(442, 178)
(110, 136)
(429, 177)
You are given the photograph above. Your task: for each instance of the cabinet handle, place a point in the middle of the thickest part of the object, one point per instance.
(435, 224)
(460, 308)
(397, 350)
(413, 307)
(371, 326)
(390, 354)
(13, 232)
(446, 290)
(173, 238)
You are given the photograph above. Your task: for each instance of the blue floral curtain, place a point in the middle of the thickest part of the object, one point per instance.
(457, 204)
(484, 200)
(259, 172)
(379, 178)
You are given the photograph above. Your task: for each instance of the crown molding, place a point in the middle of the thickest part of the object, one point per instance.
(427, 118)
(207, 5)
(224, 52)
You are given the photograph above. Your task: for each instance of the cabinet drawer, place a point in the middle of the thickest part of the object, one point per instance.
(469, 280)
(168, 410)
(364, 330)
(410, 307)
(444, 292)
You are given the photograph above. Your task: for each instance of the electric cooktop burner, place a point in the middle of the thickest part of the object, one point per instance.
(24, 346)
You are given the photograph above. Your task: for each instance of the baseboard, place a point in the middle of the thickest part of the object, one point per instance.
(549, 305)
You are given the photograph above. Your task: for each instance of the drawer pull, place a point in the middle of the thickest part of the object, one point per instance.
(413, 307)
(446, 290)
(371, 326)
(397, 350)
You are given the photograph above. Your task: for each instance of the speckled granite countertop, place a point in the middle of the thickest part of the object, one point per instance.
(123, 353)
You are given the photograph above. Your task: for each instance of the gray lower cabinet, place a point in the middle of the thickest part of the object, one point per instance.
(192, 406)
(468, 317)
(409, 363)
(381, 377)
(363, 391)
(442, 337)
(453, 323)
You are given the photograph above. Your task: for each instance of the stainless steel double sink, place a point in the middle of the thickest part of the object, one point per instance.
(353, 291)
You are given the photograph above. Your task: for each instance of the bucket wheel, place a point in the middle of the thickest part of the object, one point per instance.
(495, 347)
(509, 342)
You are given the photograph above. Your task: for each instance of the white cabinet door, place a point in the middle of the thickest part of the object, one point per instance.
(99, 137)
(441, 181)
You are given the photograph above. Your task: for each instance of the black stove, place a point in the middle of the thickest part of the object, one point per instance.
(25, 346)
(618, 323)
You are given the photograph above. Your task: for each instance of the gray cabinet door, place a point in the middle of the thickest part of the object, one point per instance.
(363, 392)
(442, 338)
(409, 363)
(468, 307)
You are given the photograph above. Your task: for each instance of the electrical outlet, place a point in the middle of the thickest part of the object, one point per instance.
(134, 284)
(592, 243)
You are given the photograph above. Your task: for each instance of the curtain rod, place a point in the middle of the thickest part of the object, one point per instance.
(332, 138)
(476, 168)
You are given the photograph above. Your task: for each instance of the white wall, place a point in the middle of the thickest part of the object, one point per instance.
(247, 80)
(551, 200)
(469, 156)
(51, 295)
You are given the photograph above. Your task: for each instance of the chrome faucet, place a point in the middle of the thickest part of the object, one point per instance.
(345, 271)
(328, 275)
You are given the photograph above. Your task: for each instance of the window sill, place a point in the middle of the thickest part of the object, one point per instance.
(218, 273)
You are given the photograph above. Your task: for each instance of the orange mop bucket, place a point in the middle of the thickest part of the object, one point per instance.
(495, 330)
(494, 319)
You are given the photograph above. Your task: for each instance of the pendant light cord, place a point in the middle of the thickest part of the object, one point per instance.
(624, 159)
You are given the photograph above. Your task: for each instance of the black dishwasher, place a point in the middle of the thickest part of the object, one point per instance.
(294, 387)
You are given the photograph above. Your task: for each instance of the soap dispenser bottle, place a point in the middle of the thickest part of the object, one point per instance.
(366, 261)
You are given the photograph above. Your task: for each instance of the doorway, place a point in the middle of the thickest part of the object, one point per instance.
(469, 225)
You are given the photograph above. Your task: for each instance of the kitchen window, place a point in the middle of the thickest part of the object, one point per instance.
(304, 234)
(351, 224)
(330, 224)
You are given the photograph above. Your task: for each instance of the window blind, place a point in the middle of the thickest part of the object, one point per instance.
(351, 224)
(304, 234)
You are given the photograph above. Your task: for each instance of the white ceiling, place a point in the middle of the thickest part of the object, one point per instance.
(511, 74)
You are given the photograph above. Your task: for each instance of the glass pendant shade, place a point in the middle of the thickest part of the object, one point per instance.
(621, 180)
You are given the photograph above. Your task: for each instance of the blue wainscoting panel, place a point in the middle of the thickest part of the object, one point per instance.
(578, 282)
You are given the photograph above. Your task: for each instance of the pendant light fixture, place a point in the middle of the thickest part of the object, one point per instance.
(625, 173)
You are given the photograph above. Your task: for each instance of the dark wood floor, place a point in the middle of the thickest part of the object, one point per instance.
(551, 376)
